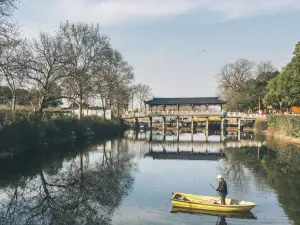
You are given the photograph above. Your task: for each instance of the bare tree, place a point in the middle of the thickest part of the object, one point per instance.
(235, 75)
(233, 80)
(7, 27)
(85, 51)
(143, 92)
(10, 72)
(8, 34)
(102, 83)
(265, 67)
(43, 65)
(119, 76)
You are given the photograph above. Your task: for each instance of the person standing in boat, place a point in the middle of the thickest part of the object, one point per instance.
(222, 189)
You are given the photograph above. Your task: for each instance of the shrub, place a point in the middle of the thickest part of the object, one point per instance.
(23, 131)
(261, 125)
(285, 124)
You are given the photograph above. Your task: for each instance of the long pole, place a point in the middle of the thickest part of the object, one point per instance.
(212, 186)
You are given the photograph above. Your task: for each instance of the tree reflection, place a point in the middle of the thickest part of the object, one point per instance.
(277, 165)
(221, 221)
(81, 193)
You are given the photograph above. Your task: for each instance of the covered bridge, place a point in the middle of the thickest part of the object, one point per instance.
(184, 102)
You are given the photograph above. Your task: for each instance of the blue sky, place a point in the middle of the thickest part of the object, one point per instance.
(164, 39)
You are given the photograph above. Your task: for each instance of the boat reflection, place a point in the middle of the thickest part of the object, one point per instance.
(223, 215)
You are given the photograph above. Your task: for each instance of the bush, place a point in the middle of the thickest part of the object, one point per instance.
(23, 132)
(261, 125)
(19, 133)
(285, 124)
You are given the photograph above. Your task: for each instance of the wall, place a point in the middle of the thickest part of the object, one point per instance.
(95, 112)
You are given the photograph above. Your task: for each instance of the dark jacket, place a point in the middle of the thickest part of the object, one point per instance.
(222, 187)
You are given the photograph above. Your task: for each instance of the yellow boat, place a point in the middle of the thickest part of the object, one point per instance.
(239, 215)
(210, 203)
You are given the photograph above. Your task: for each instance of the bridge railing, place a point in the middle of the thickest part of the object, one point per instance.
(184, 113)
(195, 113)
(245, 115)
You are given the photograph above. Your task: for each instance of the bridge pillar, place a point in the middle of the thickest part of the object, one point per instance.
(163, 123)
(122, 123)
(206, 124)
(222, 125)
(192, 125)
(239, 135)
(136, 123)
(222, 136)
(206, 135)
(177, 126)
(150, 137)
(239, 123)
(150, 122)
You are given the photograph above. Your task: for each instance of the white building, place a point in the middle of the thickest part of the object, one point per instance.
(94, 111)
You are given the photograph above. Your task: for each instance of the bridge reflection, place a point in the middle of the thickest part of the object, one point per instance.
(215, 156)
(187, 146)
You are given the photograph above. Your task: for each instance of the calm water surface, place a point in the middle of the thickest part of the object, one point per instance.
(130, 181)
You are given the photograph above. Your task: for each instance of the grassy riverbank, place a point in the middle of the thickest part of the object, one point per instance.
(22, 133)
(285, 127)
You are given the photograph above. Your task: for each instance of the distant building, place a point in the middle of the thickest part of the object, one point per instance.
(91, 111)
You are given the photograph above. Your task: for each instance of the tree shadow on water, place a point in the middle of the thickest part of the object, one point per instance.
(80, 193)
(274, 166)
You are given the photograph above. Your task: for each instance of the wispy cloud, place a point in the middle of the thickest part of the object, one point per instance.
(42, 14)
(233, 9)
(117, 11)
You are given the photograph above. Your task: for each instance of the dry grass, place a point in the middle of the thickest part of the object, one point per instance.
(279, 136)
(28, 108)
(18, 108)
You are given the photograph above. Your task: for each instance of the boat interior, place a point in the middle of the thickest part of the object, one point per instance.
(208, 200)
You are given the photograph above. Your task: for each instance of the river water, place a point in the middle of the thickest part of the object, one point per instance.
(130, 180)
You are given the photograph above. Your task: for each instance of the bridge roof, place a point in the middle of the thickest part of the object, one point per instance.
(184, 156)
(185, 101)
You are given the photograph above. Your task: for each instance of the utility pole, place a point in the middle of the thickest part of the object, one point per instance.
(258, 104)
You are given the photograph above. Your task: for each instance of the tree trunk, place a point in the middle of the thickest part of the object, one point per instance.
(104, 113)
(14, 98)
(104, 108)
(41, 107)
(80, 111)
(44, 184)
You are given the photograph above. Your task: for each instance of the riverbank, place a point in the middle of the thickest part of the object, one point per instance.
(23, 134)
(281, 127)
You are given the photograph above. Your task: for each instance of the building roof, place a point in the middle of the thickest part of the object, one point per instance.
(185, 101)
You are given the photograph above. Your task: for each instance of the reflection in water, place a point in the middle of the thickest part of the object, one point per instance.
(80, 193)
(240, 215)
(89, 187)
(222, 221)
(204, 146)
(278, 165)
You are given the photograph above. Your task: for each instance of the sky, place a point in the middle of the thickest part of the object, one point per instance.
(177, 47)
